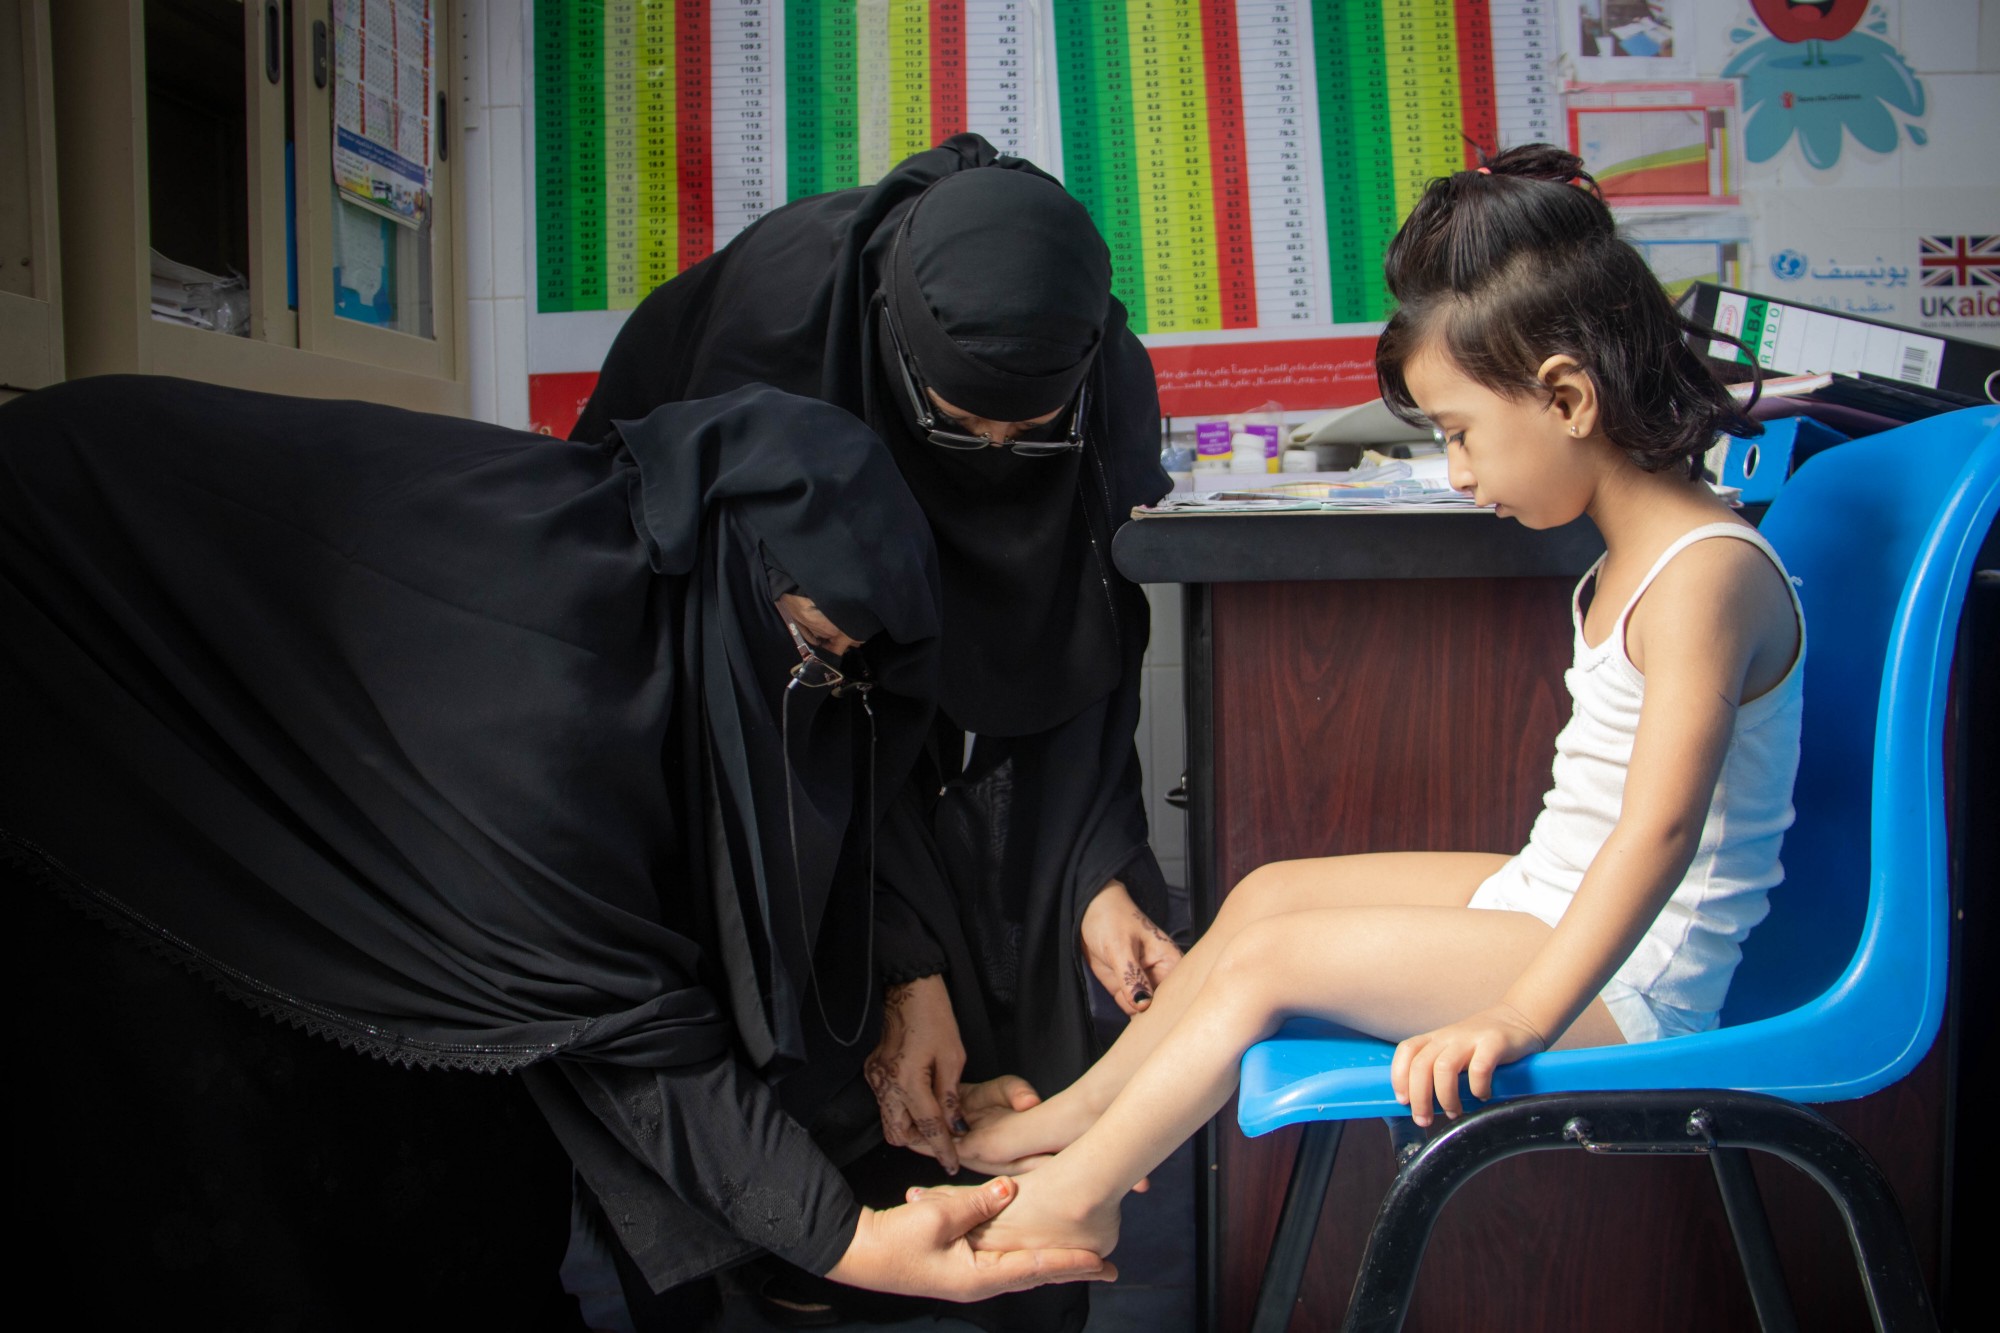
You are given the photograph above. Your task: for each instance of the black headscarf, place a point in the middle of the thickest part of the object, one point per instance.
(1006, 294)
(458, 744)
(1001, 287)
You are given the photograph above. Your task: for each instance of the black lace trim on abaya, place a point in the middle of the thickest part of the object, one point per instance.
(350, 1033)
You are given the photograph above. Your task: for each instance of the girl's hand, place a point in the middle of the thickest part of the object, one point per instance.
(914, 1070)
(1474, 1046)
(1128, 953)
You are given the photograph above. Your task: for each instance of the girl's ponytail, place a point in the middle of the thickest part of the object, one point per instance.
(1517, 260)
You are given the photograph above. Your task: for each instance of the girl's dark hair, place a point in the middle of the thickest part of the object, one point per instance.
(1506, 266)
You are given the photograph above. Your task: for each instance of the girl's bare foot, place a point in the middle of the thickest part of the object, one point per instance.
(1004, 1141)
(1052, 1209)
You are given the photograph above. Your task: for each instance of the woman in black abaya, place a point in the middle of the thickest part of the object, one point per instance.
(962, 302)
(472, 750)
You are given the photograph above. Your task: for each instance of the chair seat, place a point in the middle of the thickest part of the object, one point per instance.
(1320, 1071)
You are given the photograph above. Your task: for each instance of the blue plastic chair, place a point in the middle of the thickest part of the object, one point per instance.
(1841, 989)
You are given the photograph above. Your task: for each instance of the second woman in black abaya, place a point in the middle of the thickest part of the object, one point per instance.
(999, 287)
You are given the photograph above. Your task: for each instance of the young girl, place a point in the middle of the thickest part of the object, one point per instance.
(1555, 370)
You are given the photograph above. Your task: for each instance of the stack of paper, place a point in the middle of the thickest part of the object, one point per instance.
(1420, 484)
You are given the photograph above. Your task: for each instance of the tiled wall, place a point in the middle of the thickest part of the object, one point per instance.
(493, 105)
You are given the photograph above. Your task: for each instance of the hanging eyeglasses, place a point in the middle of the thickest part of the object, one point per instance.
(813, 671)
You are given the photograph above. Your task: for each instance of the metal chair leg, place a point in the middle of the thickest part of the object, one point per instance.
(1387, 1280)
(1712, 1122)
(1759, 1253)
(1897, 1296)
(1304, 1196)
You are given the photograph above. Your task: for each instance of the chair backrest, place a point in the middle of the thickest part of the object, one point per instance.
(1881, 534)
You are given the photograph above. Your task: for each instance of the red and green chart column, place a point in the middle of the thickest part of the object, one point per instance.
(623, 149)
(868, 85)
(1402, 84)
(1153, 144)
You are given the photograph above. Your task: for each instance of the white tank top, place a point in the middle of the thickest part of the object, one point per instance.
(1688, 955)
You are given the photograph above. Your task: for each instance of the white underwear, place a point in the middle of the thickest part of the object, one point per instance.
(1639, 1016)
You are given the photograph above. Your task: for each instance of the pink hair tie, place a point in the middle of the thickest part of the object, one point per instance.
(1484, 171)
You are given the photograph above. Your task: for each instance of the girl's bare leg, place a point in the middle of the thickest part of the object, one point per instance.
(1417, 879)
(1389, 971)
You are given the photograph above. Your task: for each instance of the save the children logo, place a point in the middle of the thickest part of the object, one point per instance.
(1816, 78)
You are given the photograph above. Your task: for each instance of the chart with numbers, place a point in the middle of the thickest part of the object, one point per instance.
(653, 141)
(866, 85)
(1249, 161)
(1246, 160)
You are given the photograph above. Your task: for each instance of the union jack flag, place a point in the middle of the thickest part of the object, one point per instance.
(1959, 261)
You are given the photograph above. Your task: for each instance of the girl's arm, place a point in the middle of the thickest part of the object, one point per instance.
(1696, 648)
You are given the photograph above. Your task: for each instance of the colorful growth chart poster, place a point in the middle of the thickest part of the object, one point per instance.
(869, 82)
(655, 138)
(662, 128)
(1249, 161)
(655, 141)
(1246, 160)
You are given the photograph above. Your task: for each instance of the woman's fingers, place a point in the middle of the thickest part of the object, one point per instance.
(1020, 1094)
(1018, 1270)
(1009, 1092)
(928, 1127)
(1117, 975)
(1020, 1166)
(950, 1067)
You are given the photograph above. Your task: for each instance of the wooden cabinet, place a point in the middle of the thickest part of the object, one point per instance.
(202, 130)
(31, 352)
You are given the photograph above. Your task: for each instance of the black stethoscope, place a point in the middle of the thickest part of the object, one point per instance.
(814, 672)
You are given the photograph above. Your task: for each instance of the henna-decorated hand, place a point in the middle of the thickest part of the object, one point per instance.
(914, 1070)
(1129, 955)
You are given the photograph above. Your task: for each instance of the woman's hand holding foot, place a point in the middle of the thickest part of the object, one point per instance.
(914, 1070)
(921, 1249)
(1053, 1210)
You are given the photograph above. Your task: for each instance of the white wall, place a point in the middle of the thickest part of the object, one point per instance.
(494, 82)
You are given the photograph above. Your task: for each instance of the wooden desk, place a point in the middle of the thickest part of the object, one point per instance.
(1376, 682)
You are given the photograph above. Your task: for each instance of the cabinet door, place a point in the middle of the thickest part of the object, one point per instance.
(372, 289)
(30, 281)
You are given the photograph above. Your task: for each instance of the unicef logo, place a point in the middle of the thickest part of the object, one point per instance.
(1788, 264)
